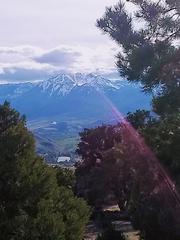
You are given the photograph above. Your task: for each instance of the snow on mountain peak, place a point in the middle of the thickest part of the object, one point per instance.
(62, 84)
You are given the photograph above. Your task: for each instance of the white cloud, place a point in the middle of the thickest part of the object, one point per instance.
(29, 63)
(44, 37)
(48, 23)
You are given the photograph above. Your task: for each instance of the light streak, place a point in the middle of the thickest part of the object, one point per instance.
(142, 147)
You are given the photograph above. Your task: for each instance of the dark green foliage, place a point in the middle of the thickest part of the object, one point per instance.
(154, 217)
(92, 181)
(66, 177)
(133, 176)
(167, 102)
(94, 141)
(150, 54)
(32, 203)
(146, 52)
(139, 118)
(163, 135)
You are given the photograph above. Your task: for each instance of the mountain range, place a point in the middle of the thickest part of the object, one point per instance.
(78, 95)
(58, 108)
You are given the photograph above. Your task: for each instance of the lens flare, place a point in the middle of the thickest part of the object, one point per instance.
(139, 143)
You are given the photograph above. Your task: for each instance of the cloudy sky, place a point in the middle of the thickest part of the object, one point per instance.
(42, 37)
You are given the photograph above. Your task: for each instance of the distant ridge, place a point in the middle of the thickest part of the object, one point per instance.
(74, 95)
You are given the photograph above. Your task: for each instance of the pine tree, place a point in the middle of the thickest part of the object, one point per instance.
(148, 39)
(33, 205)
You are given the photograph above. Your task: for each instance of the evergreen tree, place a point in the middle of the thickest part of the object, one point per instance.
(33, 205)
(150, 54)
(148, 39)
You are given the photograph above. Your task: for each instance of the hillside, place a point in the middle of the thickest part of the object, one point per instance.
(57, 109)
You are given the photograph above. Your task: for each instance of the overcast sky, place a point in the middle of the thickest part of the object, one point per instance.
(41, 37)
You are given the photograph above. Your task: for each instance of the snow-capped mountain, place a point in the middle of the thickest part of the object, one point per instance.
(63, 84)
(62, 106)
(75, 95)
